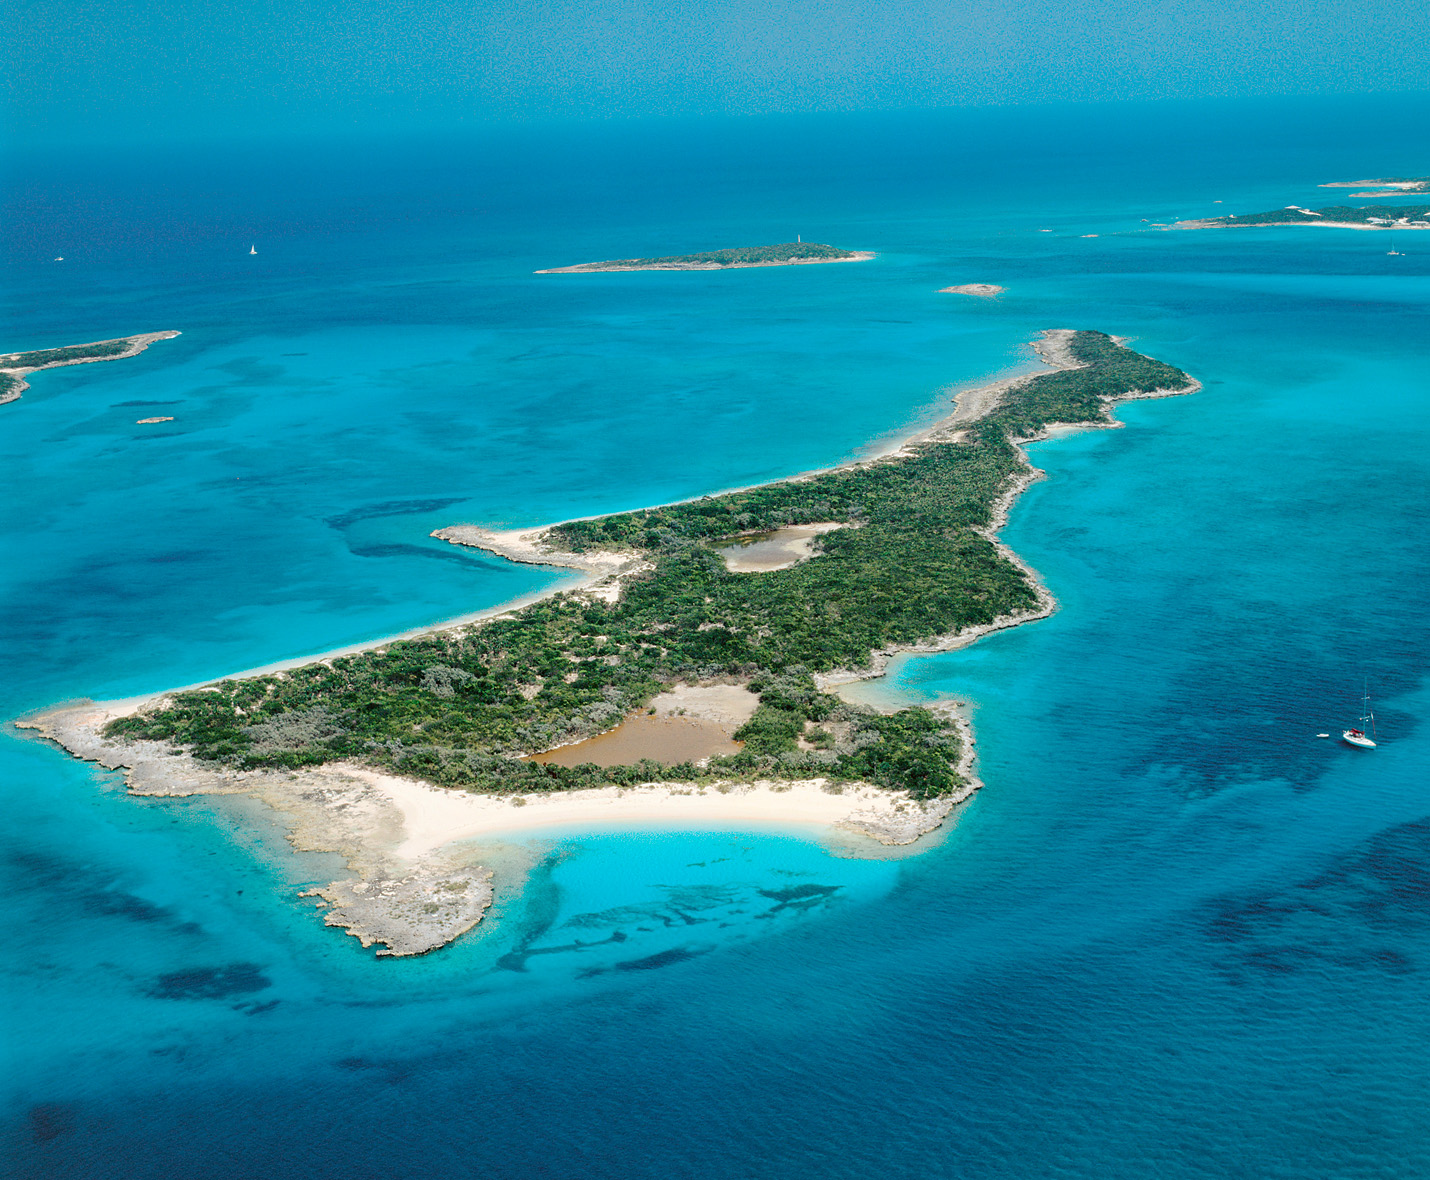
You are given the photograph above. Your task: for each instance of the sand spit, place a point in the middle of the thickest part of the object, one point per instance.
(615, 266)
(982, 290)
(136, 345)
(604, 571)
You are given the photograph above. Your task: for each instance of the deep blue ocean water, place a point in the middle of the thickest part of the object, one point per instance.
(1175, 936)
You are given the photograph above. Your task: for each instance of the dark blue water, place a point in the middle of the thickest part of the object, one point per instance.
(1176, 935)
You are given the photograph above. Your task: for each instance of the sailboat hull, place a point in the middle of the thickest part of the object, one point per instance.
(1357, 739)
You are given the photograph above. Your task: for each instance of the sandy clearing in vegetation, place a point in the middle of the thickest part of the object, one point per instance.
(729, 704)
(777, 550)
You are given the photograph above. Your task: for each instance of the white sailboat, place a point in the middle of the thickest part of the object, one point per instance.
(1357, 737)
(253, 249)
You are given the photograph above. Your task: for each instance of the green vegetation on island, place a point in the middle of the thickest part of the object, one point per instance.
(1382, 215)
(15, 365)
(784, 254)
(458, 708)
(40, 358)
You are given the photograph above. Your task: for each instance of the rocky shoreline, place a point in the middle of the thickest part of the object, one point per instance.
(410, 903)
(1053, 348)
(411, 906)
(12, 389)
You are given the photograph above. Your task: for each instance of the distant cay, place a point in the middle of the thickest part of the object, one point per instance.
(784, 254)
(982, 290)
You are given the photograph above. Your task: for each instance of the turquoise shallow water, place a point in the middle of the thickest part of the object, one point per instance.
(1175, 936)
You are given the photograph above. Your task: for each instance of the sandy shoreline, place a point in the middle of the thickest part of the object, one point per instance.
(137, 344)
(1053, 348)
(413, 886)
(434, 818)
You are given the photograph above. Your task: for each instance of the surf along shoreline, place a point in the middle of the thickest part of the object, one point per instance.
(412, 888)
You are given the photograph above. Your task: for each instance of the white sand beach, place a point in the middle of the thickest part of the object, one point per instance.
(415, 884)
(433, 818)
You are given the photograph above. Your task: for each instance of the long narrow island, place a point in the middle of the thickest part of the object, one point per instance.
(1389, 186)
(784, 254)
(1332, 216)
(16, 366)
(687, 677)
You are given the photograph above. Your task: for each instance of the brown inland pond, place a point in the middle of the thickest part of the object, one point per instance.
(669, 740)
(756, 553)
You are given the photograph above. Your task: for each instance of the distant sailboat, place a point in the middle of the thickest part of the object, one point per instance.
(253, 249)
(1393, 252)
(1357, 737)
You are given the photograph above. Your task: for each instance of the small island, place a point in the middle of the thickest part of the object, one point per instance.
(784, 254)
(981, 290)
(1332, 216)
(1390, 186)
(16, 366)
(688, 677)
